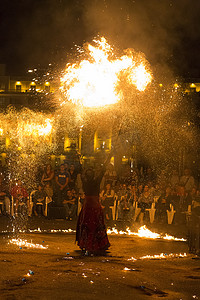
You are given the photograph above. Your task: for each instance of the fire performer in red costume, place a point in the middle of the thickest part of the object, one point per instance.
(91, 233)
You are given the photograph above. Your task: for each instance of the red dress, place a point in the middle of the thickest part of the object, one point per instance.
(91, 232)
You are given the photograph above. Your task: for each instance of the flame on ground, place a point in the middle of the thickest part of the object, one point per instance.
(24, 243)
(160, 256)
(144, 232)
(94, 81)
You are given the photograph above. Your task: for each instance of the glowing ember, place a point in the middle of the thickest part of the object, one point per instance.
(95, 81)
(24, 243)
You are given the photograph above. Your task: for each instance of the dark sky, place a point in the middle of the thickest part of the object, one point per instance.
(36, 32)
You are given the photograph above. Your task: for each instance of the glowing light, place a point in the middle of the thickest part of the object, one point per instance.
(1, 131)
(192, 85)
(95, 81)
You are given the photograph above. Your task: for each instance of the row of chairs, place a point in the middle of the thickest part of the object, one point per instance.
(151, 211)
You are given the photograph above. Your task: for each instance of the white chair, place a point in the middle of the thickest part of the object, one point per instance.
(137, 210)
(30, 207)
(170, 214)
(152, 212)
(47, 201)
(114, 208)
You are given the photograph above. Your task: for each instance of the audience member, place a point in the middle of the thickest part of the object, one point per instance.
(107, 200)
(48, 176)
(39, 198)
(144, 202)
(4, 197)
(70, 206)
(174, 178)
(187, 180)
(62, 179)
(163, 204)
(20, 197)
(72, 177)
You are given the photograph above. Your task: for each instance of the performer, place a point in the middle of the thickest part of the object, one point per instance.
(91, 233)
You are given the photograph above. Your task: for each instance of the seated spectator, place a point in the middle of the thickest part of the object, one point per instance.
(48, 176)
(145, 201)
(70, 205)
(62, 179)
(39, 198)
(4, 198)
(181, 206)
(20, 197)
(163, 204)
(107, 200)
(133, 193)
(48, 190)
(125, 208)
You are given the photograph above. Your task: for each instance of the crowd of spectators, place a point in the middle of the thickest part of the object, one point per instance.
(127, 196)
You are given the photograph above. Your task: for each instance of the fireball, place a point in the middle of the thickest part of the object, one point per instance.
(95, 80)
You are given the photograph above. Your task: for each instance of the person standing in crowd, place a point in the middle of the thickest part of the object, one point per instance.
(91, 233)
(110, 176)
(62, 179)
(72, 177)
(187, 180)
(48, 176)
(174, 178)
(4, 197)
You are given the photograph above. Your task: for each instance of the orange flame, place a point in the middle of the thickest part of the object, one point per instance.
(95, 81)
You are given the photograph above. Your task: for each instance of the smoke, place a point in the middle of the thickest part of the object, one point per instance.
(159, 29)
(167, 32)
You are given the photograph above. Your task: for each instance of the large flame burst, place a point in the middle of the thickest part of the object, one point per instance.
(94, 81)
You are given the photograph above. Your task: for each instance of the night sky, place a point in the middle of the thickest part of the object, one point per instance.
(34, 32)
